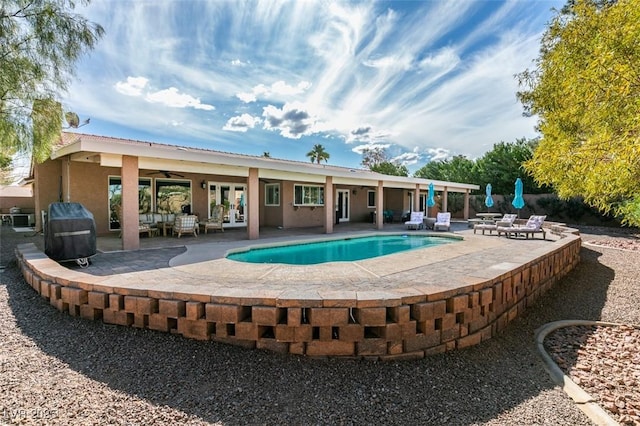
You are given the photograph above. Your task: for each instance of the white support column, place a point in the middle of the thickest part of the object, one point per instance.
(380, 205)
(466, 205)
(445, 193)
(253, 202)
(329, 206)
(130, 208)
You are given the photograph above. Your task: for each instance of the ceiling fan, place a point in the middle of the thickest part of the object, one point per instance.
(166, 174)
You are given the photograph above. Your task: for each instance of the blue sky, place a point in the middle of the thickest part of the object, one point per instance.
(426, 80)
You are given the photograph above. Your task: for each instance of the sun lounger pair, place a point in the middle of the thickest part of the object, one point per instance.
(507, 226)
(506, 221)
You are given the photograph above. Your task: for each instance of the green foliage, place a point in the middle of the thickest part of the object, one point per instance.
(457, 169)
(585, 90)
(374, 156)
(503, 165)
(553, 206)
(500, 167)
(40, 41)
(318, 154)
(390, 168)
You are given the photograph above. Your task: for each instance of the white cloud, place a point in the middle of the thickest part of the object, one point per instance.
(292, 120)
(133, 86)
(171, 97)
(279, 90)
(239, 63)
(241, 123)
(371, 146)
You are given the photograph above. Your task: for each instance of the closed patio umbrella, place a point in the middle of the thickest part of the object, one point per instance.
(488, 201)
(430, 201)
(518, 201)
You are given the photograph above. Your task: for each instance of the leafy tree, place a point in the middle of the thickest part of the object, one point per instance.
(585, 90)
(40, 41)
(373, 156)
(391, 168)
(318, 154)
(456, 169)
(503, 165)
(377, 160)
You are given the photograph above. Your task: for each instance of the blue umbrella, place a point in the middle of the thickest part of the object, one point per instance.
(488, 201)
(518, 201)
(430, 201)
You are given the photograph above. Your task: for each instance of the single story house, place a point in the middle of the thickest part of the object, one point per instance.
(121, 180)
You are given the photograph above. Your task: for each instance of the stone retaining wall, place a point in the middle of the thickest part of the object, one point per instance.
(405, 324)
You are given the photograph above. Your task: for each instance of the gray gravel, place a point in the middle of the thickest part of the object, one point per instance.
(57, 369)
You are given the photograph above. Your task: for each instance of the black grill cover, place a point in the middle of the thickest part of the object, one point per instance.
(70, 232)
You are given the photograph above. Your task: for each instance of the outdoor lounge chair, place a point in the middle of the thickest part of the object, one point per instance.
(186, 224)
(533, 226)
(443, 222)
(415, 222)
(506, 221)
(216, 219)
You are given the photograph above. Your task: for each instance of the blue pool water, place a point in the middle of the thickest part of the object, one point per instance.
(347, 249)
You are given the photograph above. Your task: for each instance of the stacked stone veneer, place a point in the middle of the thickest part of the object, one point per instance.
(403, 324)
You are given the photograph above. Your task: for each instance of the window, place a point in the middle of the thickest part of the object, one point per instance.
(173, 196)
(371, 199)
(308, 195)
(272, 194)
(115, 198)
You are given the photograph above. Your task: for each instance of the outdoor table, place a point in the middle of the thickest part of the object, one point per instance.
(489, 217)
(165, 226)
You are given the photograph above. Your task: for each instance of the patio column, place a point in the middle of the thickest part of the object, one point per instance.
(416, 198)
(253, 202)
(329, 206)
(380, 205)
(130, 216)
(466, 205)
(66, 180)
(444, 199)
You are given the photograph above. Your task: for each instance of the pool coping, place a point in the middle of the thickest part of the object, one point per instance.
(327, 315)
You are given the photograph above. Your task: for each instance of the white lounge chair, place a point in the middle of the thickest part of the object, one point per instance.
(506, 221)
(533, 226)
(443, 222)
(416, 220)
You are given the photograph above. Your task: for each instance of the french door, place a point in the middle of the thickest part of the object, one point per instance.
(234, 198)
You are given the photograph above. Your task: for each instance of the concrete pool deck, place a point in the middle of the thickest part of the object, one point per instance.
(405, 305)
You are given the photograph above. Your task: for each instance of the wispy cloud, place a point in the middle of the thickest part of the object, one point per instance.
(427, 80)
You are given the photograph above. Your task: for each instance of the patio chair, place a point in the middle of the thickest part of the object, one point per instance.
(415, 222)
(186, 224)
(533, 226)
(443, 222)
(216, 219)
(506, 221)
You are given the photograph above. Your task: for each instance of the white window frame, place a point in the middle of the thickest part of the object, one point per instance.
(275, 187)
(307, 192)
(371, 206)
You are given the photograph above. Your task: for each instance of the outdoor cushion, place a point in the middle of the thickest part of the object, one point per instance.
(415, 222)
(443, 221)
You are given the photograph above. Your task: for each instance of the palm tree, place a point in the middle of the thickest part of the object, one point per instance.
(318, 154)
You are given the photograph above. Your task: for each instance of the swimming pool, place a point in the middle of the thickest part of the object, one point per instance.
(341, 250)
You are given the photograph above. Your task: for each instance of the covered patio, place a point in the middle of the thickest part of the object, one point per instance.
(259, 193)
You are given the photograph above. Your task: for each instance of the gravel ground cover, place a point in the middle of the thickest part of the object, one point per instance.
(58, 369)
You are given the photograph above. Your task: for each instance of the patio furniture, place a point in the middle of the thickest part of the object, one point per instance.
(506, 221)
(216, 220)
(187, 224)
(533, 226)
(143, 228)
(415, 222)
(443, 222)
